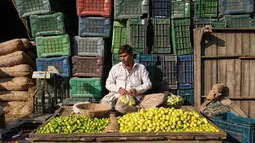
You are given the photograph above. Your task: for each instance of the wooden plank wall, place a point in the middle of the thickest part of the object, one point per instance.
(222, 58)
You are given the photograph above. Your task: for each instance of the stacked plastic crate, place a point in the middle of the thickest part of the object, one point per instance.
(237, 14)
(89, 49)
(206, 13)
(182, 48)
(130, 27)
(53, 49)
(166, 67)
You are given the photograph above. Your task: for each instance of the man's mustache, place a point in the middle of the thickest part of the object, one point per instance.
(125, 62)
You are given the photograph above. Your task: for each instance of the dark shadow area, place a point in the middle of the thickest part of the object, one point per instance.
(90, 89)
(107, 61)
(225, 91)
(54, 92)
(150, 37)
(208, 40)
(23, 130)
(68, 8)
(164, 72)
(11, 25)
(159, 78)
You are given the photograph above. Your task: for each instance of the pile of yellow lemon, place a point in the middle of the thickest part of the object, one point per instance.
(164, 120)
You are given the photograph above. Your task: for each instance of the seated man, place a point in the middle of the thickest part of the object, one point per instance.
(129, 77)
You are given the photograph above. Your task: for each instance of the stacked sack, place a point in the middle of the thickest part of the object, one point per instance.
(16, 85)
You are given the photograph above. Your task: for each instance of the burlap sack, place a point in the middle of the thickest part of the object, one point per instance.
(11, 46)
(16, 84)
(14, 96)
(17, 110)
(215, 92)
(113, 127)
(9, 106)
(16, 58)
(22, 70)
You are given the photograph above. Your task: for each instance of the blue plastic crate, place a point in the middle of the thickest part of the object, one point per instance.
(161, 8)
(239, 129)
(62, 64)
(166, 72)
(94, 26)
(187, 95)
(149, 61)
(185, 71)
(236, 6)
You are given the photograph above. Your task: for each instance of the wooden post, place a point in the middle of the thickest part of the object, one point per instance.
(198, 35)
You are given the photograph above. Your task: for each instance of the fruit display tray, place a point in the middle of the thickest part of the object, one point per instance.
(162, 137)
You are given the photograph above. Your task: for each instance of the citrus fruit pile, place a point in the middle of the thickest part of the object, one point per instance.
(164, 120)
(74, 124)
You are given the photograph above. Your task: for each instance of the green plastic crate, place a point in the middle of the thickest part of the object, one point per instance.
(137, 34)
(239, 21)
(219, 24)
(26, 8)
(205, 8)
(180, 9)
(119, 37)
(125, 9)
(161, 28)
(200, 22)
(86, 87)
(181, 36)
(45, 25)
(53, 46)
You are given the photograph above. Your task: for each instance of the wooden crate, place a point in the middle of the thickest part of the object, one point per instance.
(161, 137)
(226, 56)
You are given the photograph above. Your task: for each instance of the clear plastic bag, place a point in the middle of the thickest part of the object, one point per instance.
(174, 100)
(127, 100)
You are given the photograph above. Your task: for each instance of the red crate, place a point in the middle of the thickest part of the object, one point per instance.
(87, 66)
(94, 8)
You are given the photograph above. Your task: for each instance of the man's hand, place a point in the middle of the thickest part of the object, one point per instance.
(132, 92)
(123, 91)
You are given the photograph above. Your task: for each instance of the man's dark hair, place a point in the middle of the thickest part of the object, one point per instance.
(125, 49)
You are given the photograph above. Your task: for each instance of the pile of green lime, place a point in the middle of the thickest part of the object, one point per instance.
(74, 124)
